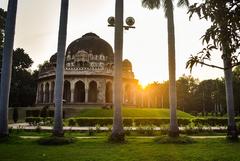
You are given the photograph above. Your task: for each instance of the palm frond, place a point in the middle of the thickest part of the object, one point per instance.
(151, 4)
(183, 3)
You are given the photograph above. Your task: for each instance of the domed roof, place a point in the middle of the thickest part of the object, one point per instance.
(53, 58)
(127, 63)
(91, 42)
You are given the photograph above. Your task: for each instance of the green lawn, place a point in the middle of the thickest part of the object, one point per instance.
(131, 112)
(135, 149)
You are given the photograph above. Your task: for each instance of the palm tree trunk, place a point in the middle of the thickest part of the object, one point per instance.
(173, 131)
(62, 36)
(118, 132)
(232, 129)
(7, 66)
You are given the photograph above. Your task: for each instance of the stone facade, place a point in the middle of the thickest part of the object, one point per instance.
(88, 75)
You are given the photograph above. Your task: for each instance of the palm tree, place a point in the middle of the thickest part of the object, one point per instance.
(168, 8)
(62, 36)
(232, 129)
(7, 65)
(118, 132)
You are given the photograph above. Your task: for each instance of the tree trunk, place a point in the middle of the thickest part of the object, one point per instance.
(173, 131)
(7, 66)
(118, 132)
(232, 129)
(62, 36)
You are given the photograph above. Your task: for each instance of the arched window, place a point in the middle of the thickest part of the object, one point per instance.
(47, 93)
(41, 94)
(127, 94)
(92, 94)
(52, 91)
(67, 91)
(108, 92)
(79, 92)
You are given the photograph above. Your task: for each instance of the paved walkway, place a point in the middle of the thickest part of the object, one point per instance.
(138, 137)
(26, 126)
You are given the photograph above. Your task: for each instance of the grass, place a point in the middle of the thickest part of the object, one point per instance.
(131, 112)
(173, 140)
(144, 149)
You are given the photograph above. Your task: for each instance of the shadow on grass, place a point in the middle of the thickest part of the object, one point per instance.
(53, 140)
(174, 140)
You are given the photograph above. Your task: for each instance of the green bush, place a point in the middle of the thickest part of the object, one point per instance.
(39, 121)
(211, 121)
(160, 121)
(96, 121)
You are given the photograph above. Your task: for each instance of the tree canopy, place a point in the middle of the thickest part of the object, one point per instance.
(223, 32)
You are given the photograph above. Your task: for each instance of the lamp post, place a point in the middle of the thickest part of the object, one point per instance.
(118, 131)
(130, 21)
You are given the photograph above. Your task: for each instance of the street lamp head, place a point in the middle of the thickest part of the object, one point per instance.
(130, 21)
(111, 21)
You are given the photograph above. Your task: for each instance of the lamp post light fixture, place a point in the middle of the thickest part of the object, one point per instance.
(129, 21)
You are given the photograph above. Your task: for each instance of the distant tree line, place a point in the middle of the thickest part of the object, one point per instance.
(193, 96)
(24, 82)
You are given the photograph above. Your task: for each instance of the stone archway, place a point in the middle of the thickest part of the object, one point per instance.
(127, 94)
(52, 91)
(46, 93)
(108, 92)
(79, 92)
(93, 92)
(41, 94)
(67, 91)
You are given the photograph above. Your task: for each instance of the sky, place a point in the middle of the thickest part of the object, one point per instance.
(145, 46)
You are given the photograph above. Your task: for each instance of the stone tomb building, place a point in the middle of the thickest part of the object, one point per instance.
(88, 75)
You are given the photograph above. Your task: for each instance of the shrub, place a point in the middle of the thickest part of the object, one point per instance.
(39, 120)
(32, 113)
(33, 120)
(44, 111)
(71, 122)
(146, 130)
(159, 121)
(211, 121)
(96, 121)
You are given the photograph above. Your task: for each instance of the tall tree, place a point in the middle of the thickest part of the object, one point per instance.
(6, 66)
(62, 37)
(117, 131)
(168, 8)
(224, 32)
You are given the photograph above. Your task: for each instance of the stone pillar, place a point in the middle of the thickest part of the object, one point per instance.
(123, 93)
(101, 87)
(44, 94)
(104, 92)
(37, 94)
(72, 84)
(86, 90)
(50, 92)
(134, 96)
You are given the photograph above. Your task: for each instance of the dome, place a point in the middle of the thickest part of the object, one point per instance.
(92, 44)
(127, 63)
(53, 58)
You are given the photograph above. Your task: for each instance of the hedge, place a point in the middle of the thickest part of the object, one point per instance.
(126, 121)
(37, 113)
(105, 121)
(39, 120)
(96, 121)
